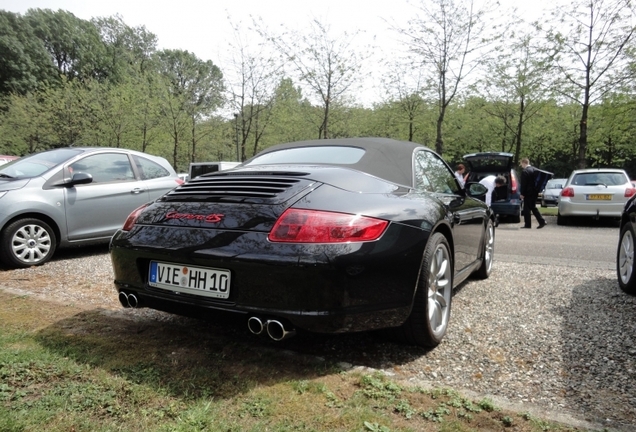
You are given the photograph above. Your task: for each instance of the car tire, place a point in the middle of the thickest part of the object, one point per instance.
(561, 220)
(427, 324)
(27, 242)
(625, 260)
(516, 219)
(488, 251)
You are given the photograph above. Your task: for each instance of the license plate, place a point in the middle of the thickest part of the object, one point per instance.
(202, 281)
(600, 197)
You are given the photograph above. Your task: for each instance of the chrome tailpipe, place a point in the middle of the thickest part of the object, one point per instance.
(128, 300)
(273, 328)
(255, 325)
(277, 331)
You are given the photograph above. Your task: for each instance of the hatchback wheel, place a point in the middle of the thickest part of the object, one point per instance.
(27, 242)
(625, 260)
(427, 324)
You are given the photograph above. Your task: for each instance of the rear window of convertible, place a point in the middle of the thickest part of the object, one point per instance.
(311, 155)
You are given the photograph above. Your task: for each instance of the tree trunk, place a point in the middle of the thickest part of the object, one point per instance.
(583, 135)
(439, 142)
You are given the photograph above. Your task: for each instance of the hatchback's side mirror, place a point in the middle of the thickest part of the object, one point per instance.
(80, 178)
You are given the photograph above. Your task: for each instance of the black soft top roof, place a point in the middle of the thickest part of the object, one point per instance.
(383, 157)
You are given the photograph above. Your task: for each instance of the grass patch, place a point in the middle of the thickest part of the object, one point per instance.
(65, 369)
(548, 211)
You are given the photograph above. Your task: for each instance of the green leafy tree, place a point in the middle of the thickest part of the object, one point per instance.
(404, 85)
(254, 76)
(590, 38)
(127, 50)
(24, 64)
(192, 89)
(330, 67)
(25, 127)
(448, 39)
(73, 44)
(515, 84)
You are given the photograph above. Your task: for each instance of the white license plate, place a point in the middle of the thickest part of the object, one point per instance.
(202, 281)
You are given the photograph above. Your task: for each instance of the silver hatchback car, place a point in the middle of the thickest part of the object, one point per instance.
(595, 192)
(73, 196)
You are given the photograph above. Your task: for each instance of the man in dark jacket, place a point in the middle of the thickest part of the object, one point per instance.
(529, 195)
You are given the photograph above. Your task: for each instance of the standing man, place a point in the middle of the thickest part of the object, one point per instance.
(529, 195)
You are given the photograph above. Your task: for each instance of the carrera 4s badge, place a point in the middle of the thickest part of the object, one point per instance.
(209, 218)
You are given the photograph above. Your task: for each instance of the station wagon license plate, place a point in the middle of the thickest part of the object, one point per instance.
(202, 281)
(599, 197)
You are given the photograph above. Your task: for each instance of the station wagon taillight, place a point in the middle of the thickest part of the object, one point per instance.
(311, 226)
(513, 183)
(630, 192)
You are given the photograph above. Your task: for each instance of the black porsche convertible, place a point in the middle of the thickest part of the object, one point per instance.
(327, 236)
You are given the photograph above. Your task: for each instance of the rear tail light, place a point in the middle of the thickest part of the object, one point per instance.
(132, 218)
(629, 192)
(568, 192)
(179, 181)
(513, 183)
(309, 226)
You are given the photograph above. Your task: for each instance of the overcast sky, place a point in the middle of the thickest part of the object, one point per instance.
(202, 27)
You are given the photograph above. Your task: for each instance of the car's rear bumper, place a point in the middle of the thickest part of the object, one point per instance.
(321, 288)
(592, 208)
(510, 208)
(550, 200)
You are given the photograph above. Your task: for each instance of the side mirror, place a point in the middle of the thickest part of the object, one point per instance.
(80, 178)
(476, 190)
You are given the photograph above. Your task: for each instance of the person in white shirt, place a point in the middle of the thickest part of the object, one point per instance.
(491, 182)
(460, 174)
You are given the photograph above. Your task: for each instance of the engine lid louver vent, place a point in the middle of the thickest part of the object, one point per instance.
(241, 187)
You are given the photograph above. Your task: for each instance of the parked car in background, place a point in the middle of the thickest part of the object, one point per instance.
(626, 247)
(73, 196)
(550, 195)
(594, 192)
(506, 200)
(6, 158)
(328, 236)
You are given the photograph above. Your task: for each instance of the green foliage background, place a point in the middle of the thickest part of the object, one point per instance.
(66, 81)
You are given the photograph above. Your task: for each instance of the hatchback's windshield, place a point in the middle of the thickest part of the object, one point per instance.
(37, 164)
(312, 155)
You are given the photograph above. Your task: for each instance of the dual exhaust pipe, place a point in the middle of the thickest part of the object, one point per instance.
(274, 328)
(128, 300)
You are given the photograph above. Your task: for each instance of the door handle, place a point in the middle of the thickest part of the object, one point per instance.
(136, 191)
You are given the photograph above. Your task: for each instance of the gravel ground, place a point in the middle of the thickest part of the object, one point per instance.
(556, 341)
